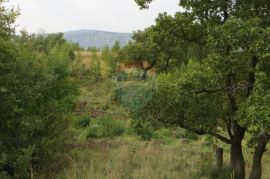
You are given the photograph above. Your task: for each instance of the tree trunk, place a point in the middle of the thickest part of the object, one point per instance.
(232, 161)
(144, 76)
(145, 69)
(237, 160)
(260, 148)
(219, 155)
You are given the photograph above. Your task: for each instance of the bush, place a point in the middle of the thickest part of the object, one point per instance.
(106, 128)
(83, 121)
(126, 93)
(121, 76)
(191, 135)
(185, 134)
(163, 135)
(143, 129)
(94, 132)
(37, 97)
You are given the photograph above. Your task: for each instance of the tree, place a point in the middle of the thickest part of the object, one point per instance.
(36, 96)
(163, 47)
(230, 86)
(7, 19)
(177, 48)
(142, 51)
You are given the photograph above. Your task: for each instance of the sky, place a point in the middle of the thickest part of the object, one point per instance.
(106, 15)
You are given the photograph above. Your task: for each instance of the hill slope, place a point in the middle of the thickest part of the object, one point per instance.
(94, 38)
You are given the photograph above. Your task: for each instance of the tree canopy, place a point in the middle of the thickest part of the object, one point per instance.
(225, 91)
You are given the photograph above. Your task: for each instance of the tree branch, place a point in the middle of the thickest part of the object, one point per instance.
(229, 126)
(222, 138)
(149, 67)
(208, 91)
(192, 40)
(203, 132)
(251, 75)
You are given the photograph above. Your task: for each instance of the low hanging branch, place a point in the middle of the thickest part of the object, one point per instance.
(203, 132)
(208, 91)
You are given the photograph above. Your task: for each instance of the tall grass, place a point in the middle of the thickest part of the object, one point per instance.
(151, 160)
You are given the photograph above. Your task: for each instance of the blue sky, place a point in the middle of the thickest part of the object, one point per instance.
(107, 15)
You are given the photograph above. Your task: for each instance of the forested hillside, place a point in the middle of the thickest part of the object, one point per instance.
(98, 39)
(187, 97)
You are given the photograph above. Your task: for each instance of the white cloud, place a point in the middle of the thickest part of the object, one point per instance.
(108, 15)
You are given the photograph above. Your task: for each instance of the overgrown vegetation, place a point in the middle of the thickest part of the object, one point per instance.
(37, 95)
(156, 108)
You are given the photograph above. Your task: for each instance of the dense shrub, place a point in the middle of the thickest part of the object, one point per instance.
(36, 97)
(185, 134)
(125, 93)
(143, 129)
(83, 121)
(106, 128)
(94, 131)
(191, 135)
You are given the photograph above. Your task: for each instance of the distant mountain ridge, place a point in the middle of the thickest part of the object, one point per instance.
(96, 38)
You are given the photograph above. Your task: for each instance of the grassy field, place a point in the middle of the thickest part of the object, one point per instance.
(128, 157)
(133, 159)
(171, 154)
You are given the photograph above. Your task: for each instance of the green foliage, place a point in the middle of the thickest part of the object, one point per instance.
(106, 128)
(7, 19)
(83, 74)
(229, 90)
(191, 135)
(36, 96)
(164, 135)
(124, 93)
(143, 129)
(121, 76)
(83, 121)
(112, 56)
(142, 49)
(211, 172)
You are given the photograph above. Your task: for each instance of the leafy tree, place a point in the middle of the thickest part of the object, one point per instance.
(174, 50)
(228, 91)
(7, 20)
(161, 45)
(36, 96)
(142, 51)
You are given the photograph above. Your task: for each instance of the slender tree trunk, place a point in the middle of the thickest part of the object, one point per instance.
(145, 69)
(232, 161)
(260, 148)
(219, 155)
(144, 76)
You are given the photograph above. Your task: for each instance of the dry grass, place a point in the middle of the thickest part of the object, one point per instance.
(145, 160)
(116, 159)
(86, 59)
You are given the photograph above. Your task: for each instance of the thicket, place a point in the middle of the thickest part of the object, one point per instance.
(105, 127)
(36, 96)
